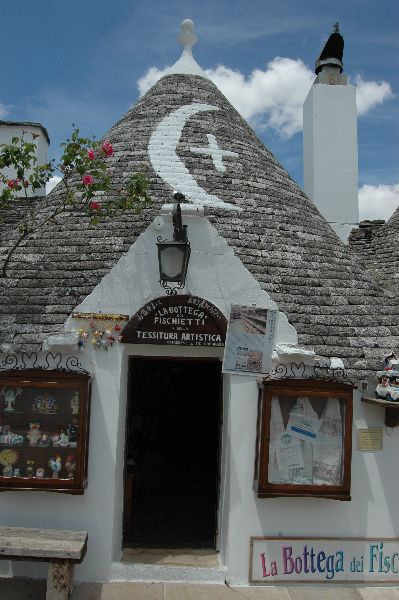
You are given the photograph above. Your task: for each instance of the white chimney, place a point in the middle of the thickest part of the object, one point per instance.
(31, 132)
(330, 141)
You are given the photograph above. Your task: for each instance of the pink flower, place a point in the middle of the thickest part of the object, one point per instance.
(95, 205)
(26, 183)
(90, 154)
(107, 148)
(12, 183)
(87, 180)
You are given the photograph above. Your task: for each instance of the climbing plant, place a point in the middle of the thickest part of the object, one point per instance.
(85, 177)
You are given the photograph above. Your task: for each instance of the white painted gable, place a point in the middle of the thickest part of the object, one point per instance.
(214, 273)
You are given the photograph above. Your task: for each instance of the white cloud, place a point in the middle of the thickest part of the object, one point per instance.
(378, 201)
(370, 93)
(4, 110)
(273, 98)
(150, 78)
(52, 183)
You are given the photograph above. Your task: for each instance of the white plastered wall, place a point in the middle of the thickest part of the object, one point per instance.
(218, 276)
(29, 133)
(215, 274)
(375, 487)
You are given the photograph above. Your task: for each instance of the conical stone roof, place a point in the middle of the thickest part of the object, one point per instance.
(337, 309)
(378, 247)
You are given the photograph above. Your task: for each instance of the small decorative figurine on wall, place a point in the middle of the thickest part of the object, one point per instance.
(75, 403)
(70, 465)
(30, 464)
(10, 395)
(8, 458)
(34, 434)
(391, 363)
(388, 379)
(55, 465)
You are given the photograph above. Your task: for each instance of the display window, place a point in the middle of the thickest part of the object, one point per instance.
(304, 439)
(43, 430)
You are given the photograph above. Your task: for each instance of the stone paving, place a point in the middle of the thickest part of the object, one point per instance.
(19, 589)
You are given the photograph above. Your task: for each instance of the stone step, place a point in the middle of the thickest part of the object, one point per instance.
(121, 571)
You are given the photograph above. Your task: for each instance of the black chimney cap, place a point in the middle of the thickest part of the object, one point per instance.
(334, 49)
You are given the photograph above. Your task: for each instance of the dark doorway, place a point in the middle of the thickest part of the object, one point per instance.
(172, 461)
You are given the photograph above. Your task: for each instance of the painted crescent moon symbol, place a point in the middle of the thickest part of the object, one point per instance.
(165, 161)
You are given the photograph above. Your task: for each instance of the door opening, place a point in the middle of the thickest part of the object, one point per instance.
(172, 453)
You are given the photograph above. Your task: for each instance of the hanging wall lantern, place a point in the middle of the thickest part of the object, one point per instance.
(173, 256)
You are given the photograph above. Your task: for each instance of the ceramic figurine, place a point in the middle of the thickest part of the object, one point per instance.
(7, 471)
(55, 439)
(40, 472)
(394, 381)
(72, 431)
(55, 465)
(29, 467)
(10, 397)
(8, 458)
(70, 466)
(44, 440)
(45, 404)
(34, 434)
(74, 404)
(16, 472)
(386, 387)
(64, 440)
(9, 438)
(391, 362)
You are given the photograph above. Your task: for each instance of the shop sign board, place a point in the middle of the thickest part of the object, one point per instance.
(177, 320)
(320, 560)
(250, 340)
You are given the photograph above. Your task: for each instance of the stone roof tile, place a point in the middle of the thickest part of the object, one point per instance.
(337, 307)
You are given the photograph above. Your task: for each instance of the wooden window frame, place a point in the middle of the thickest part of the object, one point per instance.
(309, 388)
(52, 379)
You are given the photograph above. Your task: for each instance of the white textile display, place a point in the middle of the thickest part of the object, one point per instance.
(327, 454)
(302, 408)
(277, 429)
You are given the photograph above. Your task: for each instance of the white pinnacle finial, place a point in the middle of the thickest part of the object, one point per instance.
(187, 65)
(187, 38)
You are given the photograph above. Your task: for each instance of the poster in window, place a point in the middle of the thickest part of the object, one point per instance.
(250, 340)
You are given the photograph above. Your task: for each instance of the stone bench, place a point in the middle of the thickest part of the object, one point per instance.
(61, 549)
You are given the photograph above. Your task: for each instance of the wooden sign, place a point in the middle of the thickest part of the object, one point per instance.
(369, 439)
(177, 320)
(323, 560)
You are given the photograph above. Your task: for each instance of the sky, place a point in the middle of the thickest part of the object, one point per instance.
(86, 62)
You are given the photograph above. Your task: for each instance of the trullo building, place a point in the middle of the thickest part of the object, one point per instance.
(260, 470)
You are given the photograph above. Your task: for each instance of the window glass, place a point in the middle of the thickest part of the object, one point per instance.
(306, 440)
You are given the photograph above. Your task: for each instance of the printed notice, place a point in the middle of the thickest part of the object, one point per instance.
(250, 340)
(369, 439)
(303, 427)
(288, 453)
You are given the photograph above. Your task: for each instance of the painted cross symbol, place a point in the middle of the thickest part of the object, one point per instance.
(215, 152)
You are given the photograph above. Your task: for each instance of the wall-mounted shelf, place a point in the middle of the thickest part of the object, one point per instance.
(391, 410)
